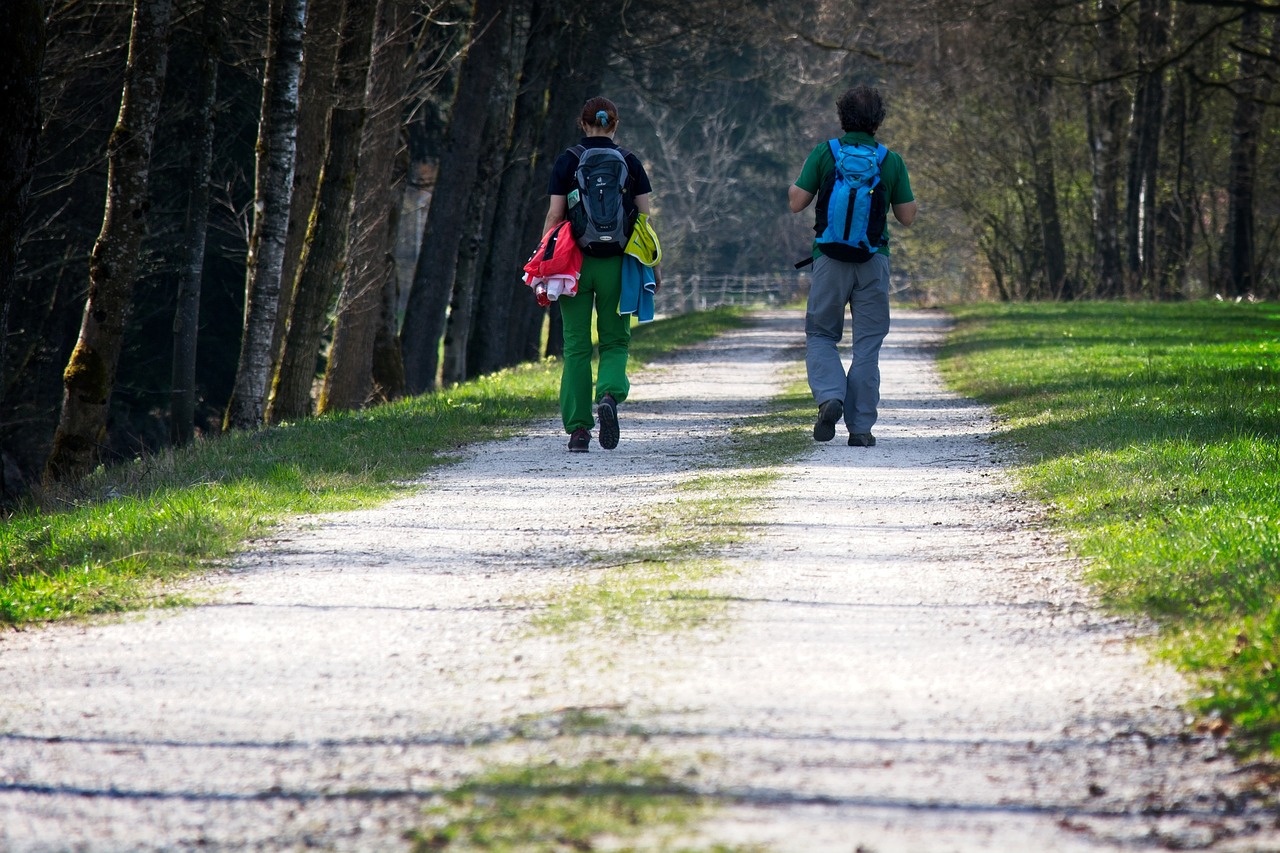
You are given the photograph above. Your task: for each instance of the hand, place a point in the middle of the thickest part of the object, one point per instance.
(540, 293)
(657, 279)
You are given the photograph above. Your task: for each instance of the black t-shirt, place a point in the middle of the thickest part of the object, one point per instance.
(563, 179)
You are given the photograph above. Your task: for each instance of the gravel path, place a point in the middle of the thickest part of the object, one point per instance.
(907, 662)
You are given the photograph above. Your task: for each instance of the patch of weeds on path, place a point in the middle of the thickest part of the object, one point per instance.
(598, 804)
(657, 586)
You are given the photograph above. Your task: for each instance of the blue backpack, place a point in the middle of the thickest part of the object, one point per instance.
(852, 206)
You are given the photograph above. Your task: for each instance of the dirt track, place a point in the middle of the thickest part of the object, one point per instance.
(907, 662)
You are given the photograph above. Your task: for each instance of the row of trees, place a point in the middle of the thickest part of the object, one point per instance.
(242, 269)
(1116, 148)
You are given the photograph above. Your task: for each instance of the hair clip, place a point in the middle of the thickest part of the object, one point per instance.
(602, 117)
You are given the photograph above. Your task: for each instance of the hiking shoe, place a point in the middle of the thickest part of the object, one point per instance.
(862, 439)
(828, 414)
(580, 441)
(607, 411)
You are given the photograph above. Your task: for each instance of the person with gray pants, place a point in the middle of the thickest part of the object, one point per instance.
(861, 286)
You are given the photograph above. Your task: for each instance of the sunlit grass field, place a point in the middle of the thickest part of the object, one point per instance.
(1153, 434)
(110, 544)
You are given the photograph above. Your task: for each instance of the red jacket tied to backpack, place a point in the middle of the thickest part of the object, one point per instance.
(557, 254)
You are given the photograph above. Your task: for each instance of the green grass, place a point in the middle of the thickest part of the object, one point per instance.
(1153, 433)
(111, 543)
(598, 804)
(659, 584)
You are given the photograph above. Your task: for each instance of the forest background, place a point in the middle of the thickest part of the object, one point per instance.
(220, 214)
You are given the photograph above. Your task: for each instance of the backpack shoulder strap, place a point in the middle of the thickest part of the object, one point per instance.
(881, 151)
(577, 150)
(834, 145)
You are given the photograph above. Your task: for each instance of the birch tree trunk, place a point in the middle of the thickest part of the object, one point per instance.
(90, 374)
(186, 318)
(323, 263)
(273, 191)
(437, 264)
(348, 380)
(315, 101)
(1106, 136)
(22, 41)
(1144, 146)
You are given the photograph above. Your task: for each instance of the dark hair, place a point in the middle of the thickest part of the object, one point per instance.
(592, 109)
(861, 110)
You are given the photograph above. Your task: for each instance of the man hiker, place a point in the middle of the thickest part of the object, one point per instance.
(850, 269)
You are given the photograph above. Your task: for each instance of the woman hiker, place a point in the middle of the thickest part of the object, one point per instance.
(599, 287)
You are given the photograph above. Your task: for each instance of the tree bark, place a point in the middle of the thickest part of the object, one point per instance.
(1046, 189)
(478, 235)
(1144, 147)
(22, 42)
(580, 58)
(1246, 126)
(91, 373)
(273, 192)
(501, 287)
(433, 276)
(315, 101)
(323, 263)
(186, 319)
(348, 381)
(1106, 136)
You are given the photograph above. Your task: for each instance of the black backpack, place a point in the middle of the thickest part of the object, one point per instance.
(597, 216)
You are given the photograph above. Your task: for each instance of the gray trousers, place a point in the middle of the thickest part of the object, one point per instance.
(864, 288)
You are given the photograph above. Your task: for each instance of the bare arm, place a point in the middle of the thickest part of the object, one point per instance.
(798, 199)
(556, 210)
(905, 213)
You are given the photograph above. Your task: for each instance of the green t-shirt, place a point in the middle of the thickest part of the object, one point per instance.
(893, 175)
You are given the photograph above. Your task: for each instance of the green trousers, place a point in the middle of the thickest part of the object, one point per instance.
(599, 287)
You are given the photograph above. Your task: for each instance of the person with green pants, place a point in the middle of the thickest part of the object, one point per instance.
(599, 289)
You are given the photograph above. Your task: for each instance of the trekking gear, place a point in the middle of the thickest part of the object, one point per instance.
(598, 217)
(862, 439)
(580, 441)
(608, 413)
(828, 414)
(644, 245)
(852, 204)
(557, 254)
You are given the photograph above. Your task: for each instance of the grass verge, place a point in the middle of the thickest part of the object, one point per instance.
(110, 545)
(1153, 434)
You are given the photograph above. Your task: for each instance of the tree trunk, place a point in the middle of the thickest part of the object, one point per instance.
(315, 101)
(580, 58)
(323, 263)
(1144, 147)
(91, 373)
(1046, 189)
(22, 40)
(273, 191)
(348, 381)
(501, 287)
(1246, 126)
(433, 276)
(477, 241)
(1106, 135)
(186, 319)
